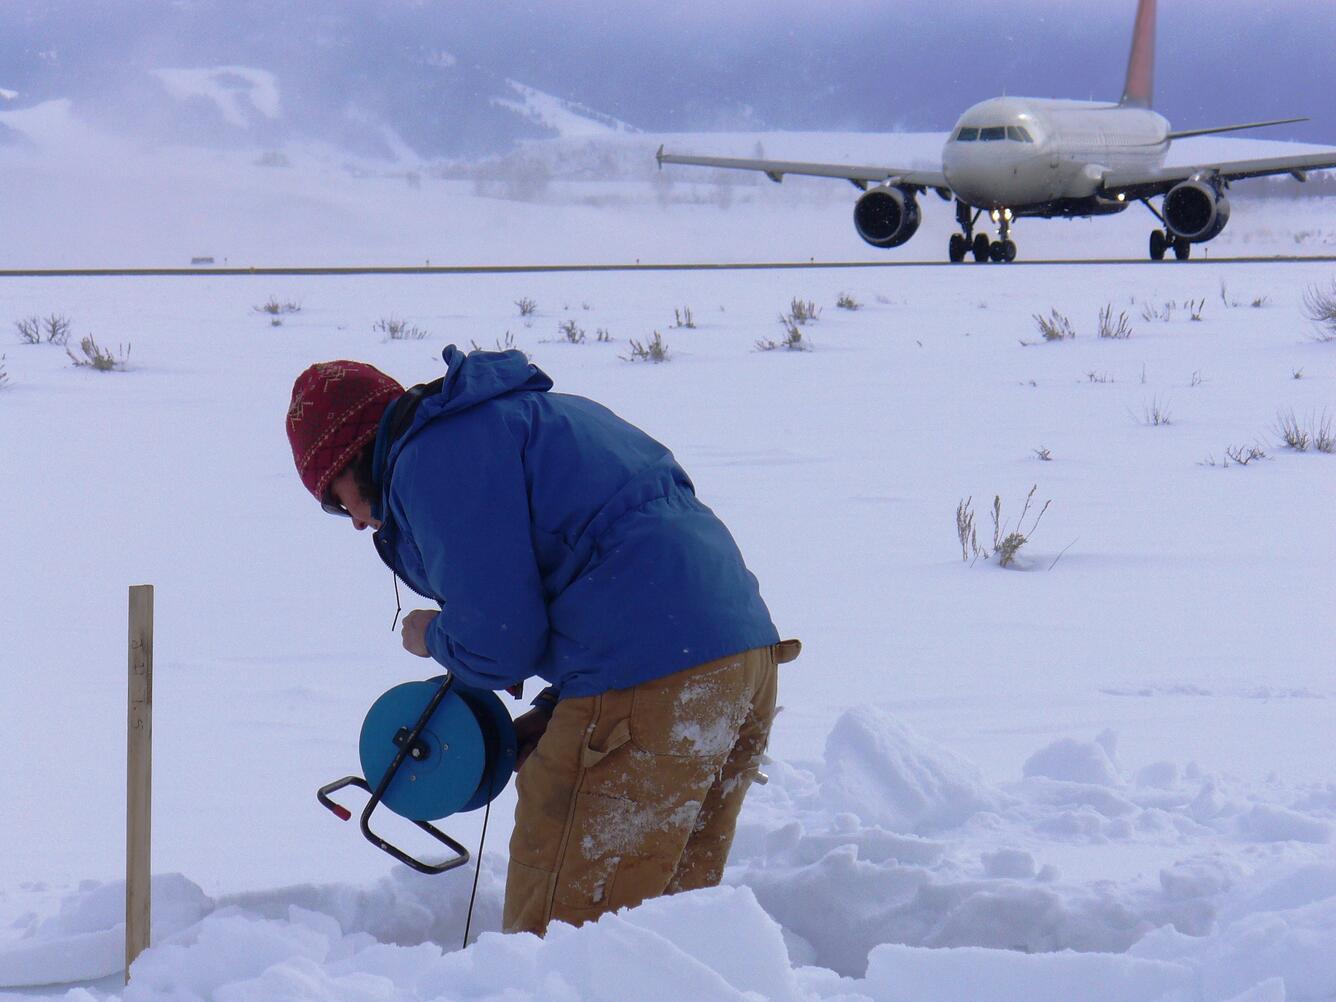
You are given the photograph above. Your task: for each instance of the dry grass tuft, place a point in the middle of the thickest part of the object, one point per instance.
(94, 356)
(1118, 329)
(395, 329)
(1320, 309)
(1055, 326)
(653, 350)
(1007, 541)
(1316, 433)
(683, 318)
(274, 308)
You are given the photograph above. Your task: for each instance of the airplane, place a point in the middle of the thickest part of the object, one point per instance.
(1012, 157)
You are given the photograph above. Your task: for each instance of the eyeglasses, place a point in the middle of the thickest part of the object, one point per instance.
(332, 507)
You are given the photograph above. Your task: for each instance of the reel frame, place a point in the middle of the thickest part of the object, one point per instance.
(407, 742)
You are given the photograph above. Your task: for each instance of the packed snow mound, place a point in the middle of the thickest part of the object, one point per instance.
(1268, 823)
(1077, 761)
(1281, 928)
(674, 948)
(904, 974)
(889, 777)
(85, 939)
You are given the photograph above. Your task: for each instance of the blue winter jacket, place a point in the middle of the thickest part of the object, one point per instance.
(558, 539)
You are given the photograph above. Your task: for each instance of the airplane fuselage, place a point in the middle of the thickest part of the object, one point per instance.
(1041, 157)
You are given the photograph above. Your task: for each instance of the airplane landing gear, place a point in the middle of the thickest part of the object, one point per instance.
(1162, 242)
(1003, 249)
(966, 241)
(978, 244)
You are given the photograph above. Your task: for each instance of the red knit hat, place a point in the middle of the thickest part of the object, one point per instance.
(336, 410)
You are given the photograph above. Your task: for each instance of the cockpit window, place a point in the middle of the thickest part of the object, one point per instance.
(994, 134)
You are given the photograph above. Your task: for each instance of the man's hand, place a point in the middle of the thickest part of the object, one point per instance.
(529, 727)
(415, 631)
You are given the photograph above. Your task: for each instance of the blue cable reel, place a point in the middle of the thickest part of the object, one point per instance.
(429, 750)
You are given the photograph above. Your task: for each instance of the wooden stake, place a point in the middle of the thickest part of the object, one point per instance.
(139, 775)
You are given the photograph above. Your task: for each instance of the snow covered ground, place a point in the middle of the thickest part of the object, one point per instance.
(1103, 773)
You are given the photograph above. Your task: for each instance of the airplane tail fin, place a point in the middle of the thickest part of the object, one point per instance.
(1140, 84)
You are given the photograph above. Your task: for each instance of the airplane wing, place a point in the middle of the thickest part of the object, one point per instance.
(1239, 127)
(1144, 184)
(860, 177)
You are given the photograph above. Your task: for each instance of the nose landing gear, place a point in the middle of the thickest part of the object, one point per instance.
(1003, 249)
(977, 244)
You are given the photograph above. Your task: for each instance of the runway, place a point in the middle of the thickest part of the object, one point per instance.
(521, 269)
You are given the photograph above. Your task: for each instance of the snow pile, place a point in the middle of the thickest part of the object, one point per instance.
(904, 974)
(1089, 762)
(671, 949)
(841, 858)
(879, 770)
(86, 938)
(836, 894)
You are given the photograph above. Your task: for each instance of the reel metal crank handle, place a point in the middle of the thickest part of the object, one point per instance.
(322, 795)
(461, 854)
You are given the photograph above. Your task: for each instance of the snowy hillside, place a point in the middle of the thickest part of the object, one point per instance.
(234, 91)
(249, 77)
(1105, 772)
(348, 69)
(564, 118)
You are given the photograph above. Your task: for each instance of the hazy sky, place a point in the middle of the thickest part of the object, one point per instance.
(918, 62)
(755, 64)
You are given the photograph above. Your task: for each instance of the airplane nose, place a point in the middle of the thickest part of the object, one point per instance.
(968, 174)
(986, 175)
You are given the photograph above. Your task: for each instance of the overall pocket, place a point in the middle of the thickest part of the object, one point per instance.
(694, 713)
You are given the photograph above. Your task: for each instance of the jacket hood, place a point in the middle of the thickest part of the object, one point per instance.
(481, 375)
(471, 378)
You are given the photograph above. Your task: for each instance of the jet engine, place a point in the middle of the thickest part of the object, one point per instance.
(1196, 210)
(886, 216)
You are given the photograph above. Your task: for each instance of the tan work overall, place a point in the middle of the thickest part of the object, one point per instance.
(635, 792)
